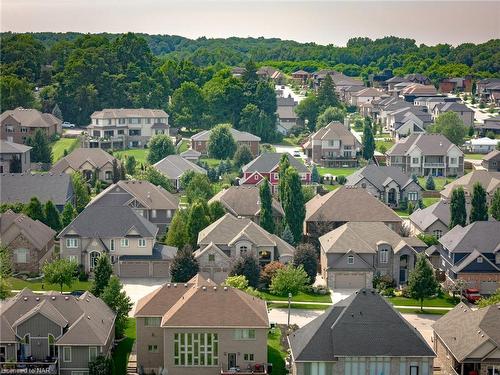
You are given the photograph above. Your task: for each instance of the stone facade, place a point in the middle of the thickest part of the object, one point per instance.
(35, 257)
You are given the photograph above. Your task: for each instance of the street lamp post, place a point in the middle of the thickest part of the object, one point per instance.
(289, 307)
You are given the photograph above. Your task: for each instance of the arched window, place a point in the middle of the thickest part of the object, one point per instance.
(384, 255)
(93, 256)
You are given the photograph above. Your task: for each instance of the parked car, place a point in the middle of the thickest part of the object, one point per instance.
(67, 125)
(472, 295)
(296, 154)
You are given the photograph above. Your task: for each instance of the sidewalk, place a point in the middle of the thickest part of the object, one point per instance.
(329, 303)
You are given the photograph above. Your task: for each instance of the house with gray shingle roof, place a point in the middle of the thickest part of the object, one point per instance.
(464, 112)
(491, 161)
(360, 332)
(174, 166)
(386, 183)
(53, 334)
(468, 340)
(426, 154)
(14, 157)
(433, 220)
(199, 141)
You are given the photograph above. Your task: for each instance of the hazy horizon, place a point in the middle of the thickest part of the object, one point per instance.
(322, 22)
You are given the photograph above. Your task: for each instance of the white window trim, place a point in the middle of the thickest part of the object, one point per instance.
(350, 259)
(153, 214)
(69, 243)
(67, 348)
(124, 242)
(141, 242)
(96, 352)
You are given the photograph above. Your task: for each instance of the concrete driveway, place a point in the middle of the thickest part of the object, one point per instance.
(340, 294)
(138, 288)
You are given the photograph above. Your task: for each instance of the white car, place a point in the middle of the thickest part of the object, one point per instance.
(296, 154)
(67, 125)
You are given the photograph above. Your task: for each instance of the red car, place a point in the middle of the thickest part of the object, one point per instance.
(472, 295)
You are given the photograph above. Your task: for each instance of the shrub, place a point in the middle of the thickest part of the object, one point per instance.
(269, 272)
(289, 280)
(341, 179)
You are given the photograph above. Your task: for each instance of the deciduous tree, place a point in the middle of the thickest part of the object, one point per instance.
(60, 272)
(289, 279)
(102, 273)
(247, 266)
(68, 214)
(451, 126)
(422, 283)
(221, 144)
(198, 220)
(81, 191)
(160, 146)
(305, 256)
(119, 302)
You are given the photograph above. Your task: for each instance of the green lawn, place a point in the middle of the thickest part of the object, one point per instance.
(426, 312)
(304, 306)
(122, 351)
(336, 171)
(438, 181)
(429, 201)
(140, 154)
(58, 147)
(18, 284)
(331, 187)
(183, 146)
(388, 144)
(301, 297)
(291, 141)
(401, 213)
(275, 353)
(474, 156)
(445, 301)
(212, 163)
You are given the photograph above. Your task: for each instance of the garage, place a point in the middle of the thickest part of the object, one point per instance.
(350, 280)
(134, 269)
(488, 287)
(161, 269)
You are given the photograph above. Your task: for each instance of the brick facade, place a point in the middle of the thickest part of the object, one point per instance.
(34, 258)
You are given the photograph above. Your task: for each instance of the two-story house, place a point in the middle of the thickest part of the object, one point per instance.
(426, 154)
(199, 141)
(491, 161)
(18, 124)
(287, 119)
(388, 184)
(54, 334)
(433, 220)
(14, 157)
(489, 180)
(229, 238)
(465, 113)
(360, 335)
(117, 128)
(365, 95)
(352, 254)
(333, 146)
(266, 166)
(472, 254)
(201, 328)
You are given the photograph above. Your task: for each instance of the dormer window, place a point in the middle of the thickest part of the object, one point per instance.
(72, 243)
(350, 259)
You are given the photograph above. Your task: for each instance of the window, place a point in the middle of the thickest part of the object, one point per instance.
(21, 255)
(384, 256)
(256, 177)
(169, 214)
(73, 258)
(415, 160)
(453, 161)
(153, 214)
(121, 121)
(318, 368)
(276, 176)
(438, 233)
(24, 130)
(244, 334)
(67, 354)
(153, 348)
(152, 322)
(92, 353)
(412, 196)
(142, 242)
(111, 245)
(71, 243)
(124, 242)
(243, 250)
(196, 349)
(52, 346)
(350, 259)
(108, 175)
(93, 256)
(211, 257)
(413, 370)
(248, 357)
(479, 260)
(493, 370)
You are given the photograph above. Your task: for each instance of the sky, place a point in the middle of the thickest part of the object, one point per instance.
(322, 22)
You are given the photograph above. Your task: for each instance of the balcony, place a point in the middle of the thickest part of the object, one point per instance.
(434, 165)
(48, 368)
(258, 368)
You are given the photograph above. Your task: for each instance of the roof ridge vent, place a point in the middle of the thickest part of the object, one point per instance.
(37, 298)
(53, 298)
(225, 288)
(203, 287)
(215, 287)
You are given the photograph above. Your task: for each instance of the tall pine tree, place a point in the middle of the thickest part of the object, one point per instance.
(266, 207)
(283, 166)
(34, 210)
(458, 212)
(52, 218)
(293, 203)
(368, 142)
(68, 214)
(479, 207)
(41, 151)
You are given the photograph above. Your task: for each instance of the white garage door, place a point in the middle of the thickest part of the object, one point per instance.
(134, 269)
(489, 287)
(349, 280)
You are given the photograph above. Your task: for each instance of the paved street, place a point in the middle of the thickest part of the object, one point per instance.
(287, 91)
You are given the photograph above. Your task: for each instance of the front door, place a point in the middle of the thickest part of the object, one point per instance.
(231, 360)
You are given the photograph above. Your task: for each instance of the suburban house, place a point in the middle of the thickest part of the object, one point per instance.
(199, 141)
(89, 161)
(301, 76)
(14, 157)
(392, 82)
(489, 89)
(415, 90)
(491, 124)
(266, 165)
(466, 341)
(449, 85)
(21, 187)
(333, 146)
(491, 162)
(268, 72)
(54, 334)
(365, 95)
(330, 211)
(433, 220)
(174, 167)
(430, 102)
(29, 242)
(122, 234)
(244, 201)
(150, 201)
(472, 254)
(118, 128)
(191, 155)
(18, 124)
(426, 154)
(352, 254)
(362, 334)
(202, 328)
(489, 180)
(287, 119)
(465, 113)
(386, 183)
(482, 145)
(405, 121)
(230, 237)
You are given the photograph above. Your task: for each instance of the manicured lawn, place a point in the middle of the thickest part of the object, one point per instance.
(301, 297)
(445, 301)
(140, 154)
(387, 143)
(122, 351)
(401, 213)
(183, 146)
(62, 144)
(39, 285)
(426, 312)
(429, 201)
(336, 171)
(275, 353)
(304, 306)
(474, 156)
(331, 187)
(438, 181)
(212, 163)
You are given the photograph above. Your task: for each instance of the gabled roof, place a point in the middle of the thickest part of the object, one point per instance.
(419, 89)
(349, 204)
(492, 155)
(238, 136)
(97, 157)
(31, 118)
(379, 176)
(36, 232)
(335, 130)
(363, 324)
(12, 148)
(211, 246)
(269, 161)
(190, 153)
(369, 92)
(471, 258)
(46, 309)
(174, 166)
(464, 330)
(111, 113)
(425, 217)
(483, 236)
(489, 180)
(21, 187)
(429, 144)
(453, 106)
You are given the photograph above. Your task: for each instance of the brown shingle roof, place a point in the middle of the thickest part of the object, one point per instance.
(12, 148)
(335, 130)
(429, 144)
(109, 113)
(31, 118)
(95, 156)
(37, 232)
(489, 180)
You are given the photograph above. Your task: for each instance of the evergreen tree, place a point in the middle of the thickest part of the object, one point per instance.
(160, 146)
(57, 112)
(287, 235)
(177, 230)
(283, 166)
(368, 142)
(52, 217)
(116, 171)
(429, 183)
(41, 151)
(34, 210)
(315, 177)
(102, 273)
(101, 366)
(250, 74)
(68, 214)
(199, 188)
(266, 207)
(422, 283)
(479, 207)
(184, 265)
(5, 272)
(119, 302)
(197, 221)
(242, 156)
(293, 204)
(305, 256)
(81, 191)
(247, 266)
(458, 212)
(495, 205)
(216, 211)
(130, 165)
(327, 97)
